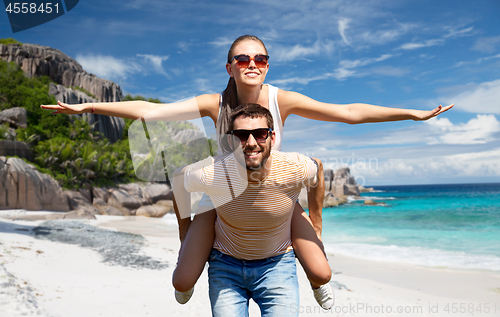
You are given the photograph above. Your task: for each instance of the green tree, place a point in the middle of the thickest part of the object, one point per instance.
(9, 40)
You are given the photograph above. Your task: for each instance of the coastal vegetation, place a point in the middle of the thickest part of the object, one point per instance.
(10, 40)
(69, 150)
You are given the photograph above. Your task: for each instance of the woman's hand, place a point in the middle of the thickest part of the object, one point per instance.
(65, 108)
(425, 115)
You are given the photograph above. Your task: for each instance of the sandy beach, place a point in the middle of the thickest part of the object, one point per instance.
(130, 275)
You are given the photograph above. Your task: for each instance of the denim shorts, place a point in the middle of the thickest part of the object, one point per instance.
(272, 283)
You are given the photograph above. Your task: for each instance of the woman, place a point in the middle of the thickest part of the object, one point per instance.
(247, 66)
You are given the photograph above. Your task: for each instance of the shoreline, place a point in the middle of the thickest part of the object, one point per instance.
(62, 279)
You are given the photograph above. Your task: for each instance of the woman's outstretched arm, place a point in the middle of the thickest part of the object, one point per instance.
(204, 105)
(294, 103)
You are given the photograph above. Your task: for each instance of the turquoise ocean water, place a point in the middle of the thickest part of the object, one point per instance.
(455, 226)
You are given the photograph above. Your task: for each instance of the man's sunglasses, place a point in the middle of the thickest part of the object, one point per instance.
(260, 135)
(244, 60)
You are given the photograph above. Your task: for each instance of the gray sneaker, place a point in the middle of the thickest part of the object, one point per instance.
(324, 296)
(183, 297)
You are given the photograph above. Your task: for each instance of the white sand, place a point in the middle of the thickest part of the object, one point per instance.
(44, 278)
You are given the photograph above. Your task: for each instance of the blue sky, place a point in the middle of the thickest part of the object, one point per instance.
(408, 54)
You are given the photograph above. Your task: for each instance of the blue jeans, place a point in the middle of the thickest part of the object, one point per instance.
(271, 283)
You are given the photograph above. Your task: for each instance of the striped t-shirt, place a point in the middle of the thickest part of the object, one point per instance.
(253, 218)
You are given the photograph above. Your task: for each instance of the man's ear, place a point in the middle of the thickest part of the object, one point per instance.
(273, 138)
(229, 70)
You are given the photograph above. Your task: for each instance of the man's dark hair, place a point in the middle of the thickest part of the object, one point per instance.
(251, 110)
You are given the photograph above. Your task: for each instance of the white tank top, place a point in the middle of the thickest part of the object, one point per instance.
(275, 112)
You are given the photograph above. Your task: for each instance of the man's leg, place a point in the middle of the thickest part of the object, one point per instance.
(183, 223)
(276, 288)
(228, 296)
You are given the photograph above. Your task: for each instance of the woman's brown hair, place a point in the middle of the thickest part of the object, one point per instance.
(230, 95)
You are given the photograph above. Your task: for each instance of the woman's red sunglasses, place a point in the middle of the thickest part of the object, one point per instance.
(244, 60)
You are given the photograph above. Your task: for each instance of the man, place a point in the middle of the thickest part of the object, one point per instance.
(254, 190)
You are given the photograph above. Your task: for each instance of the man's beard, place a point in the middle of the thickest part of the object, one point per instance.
(256, 168)
(265, 155)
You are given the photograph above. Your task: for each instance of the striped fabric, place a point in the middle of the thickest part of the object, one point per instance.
(253, 218)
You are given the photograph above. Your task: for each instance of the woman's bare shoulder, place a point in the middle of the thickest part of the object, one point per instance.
(290, 101)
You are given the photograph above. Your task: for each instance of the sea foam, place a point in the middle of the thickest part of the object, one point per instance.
(417, 256)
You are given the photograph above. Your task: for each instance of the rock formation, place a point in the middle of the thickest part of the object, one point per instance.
(369, 202)
(344, 183)
(15, 117)
(36, 60)
(15, 148)
(128, 198)
(338, 185)
(110, 127)
(328, 179)
(157, 210)
(23, 187)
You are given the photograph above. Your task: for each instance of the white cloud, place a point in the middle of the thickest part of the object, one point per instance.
(156, 61)
(346, 66)
(222, 42)
(417, 45)
(383, 36)
(184, 46)
(207, 86)
(343, 73)
(453, 32)
(363, 61)
(477, 131)
(287, 82)
(299, 51)
(483, 130)
(342, 27)
(477, 61)
(108, 66)
(482, 98)
(486, 44)
(423, 169)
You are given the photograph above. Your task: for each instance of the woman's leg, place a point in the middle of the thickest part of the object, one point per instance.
(183, 223)
(195, 250)
(316, 198)
(309, 249)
